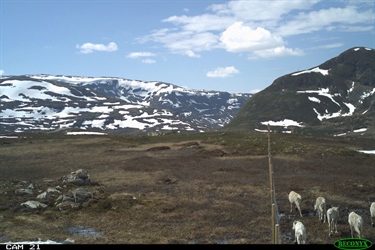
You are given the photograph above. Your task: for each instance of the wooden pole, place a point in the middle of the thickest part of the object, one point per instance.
(274, 209)
(270, 169)
(277, 234)
(273, 225)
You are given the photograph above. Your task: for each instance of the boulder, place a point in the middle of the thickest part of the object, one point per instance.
(23, 191)
(81, 194)
(64, 197)
(32, 186)
(76, 195)
(65, 205)
(53, 190)
(33, 204)
(80, 177)
(44, 195)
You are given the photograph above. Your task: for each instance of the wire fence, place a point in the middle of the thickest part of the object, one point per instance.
(275, 212)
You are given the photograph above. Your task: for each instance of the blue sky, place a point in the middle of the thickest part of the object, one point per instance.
(234, 46)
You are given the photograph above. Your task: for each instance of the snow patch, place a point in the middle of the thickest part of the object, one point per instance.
(284, 123)
(85, 133)
(360, 130)
(326, 115)
(314, 70)
(367, 151)
(314, 99)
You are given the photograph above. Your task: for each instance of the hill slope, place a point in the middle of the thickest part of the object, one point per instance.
(336, 97)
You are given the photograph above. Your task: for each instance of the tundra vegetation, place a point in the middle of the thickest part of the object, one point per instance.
(187, 188)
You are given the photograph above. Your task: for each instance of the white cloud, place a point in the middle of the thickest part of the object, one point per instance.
(241, 38)
(354, 28)
(140, 54)
(202, 23)
(135, 55)
(329, 46)
(260, 11)
(191, 53)
(328, 19)
(148, 61)
(184, 42)
(223, 72)
(259, 42)
(2, 72)
(276, 52)
(259, 27)
(87, 48)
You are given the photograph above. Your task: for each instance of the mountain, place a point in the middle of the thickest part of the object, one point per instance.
(116, 105)
(336, 98)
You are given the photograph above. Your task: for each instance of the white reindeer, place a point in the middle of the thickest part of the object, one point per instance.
(356, 223)
(320, 206)
(372, 213)
(299, 232)
(296, 199)
(332, 217)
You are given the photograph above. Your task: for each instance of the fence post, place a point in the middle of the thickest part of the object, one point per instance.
(274, 210)
(277, 234)
(271, 188)
(273, 225)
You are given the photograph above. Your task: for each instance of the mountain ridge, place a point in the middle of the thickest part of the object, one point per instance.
(51, 102)
(335, 97)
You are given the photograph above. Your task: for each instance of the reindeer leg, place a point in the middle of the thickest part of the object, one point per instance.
(299, 209)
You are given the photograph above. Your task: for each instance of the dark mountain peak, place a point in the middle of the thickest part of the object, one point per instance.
(353, 54)
(353, 65)
(335, 96)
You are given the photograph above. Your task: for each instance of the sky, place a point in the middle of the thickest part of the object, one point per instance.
(233, 46)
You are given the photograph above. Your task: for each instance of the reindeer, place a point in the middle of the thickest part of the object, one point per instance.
(372, 213)
(320, 206)
(356, 223)
(296, 199)
(299, 232)
(332, 217)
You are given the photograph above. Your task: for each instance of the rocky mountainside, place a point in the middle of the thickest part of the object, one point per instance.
(336, 97)
(52, 103)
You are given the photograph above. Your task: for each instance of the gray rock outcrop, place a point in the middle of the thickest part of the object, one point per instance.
(80, 177)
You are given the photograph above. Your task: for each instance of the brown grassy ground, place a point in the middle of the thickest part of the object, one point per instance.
(207, 188)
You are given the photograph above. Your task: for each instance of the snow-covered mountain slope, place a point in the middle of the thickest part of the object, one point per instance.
(46, 102)
(336, 97)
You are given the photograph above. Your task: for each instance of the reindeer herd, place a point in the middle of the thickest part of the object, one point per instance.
(331, 216)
